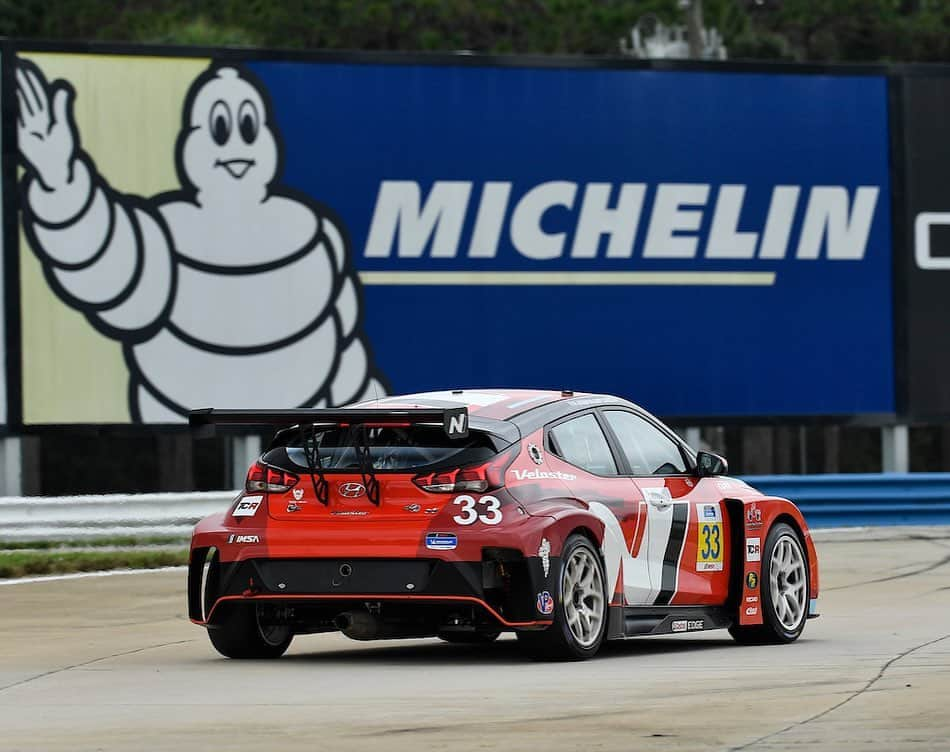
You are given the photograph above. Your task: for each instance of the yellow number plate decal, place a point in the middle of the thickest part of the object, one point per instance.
(709, 548)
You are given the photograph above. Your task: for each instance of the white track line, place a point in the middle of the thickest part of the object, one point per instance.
(81, 575)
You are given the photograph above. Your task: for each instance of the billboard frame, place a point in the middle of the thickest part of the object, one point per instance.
(9, 48)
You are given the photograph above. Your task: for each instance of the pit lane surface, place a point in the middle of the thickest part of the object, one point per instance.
(111, 663)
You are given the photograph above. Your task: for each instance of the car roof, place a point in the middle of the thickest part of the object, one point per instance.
(496, 404)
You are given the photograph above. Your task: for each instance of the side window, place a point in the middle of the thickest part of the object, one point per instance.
(647, 449)
(582, 443)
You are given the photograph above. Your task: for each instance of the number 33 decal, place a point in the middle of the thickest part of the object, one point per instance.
(490, 515)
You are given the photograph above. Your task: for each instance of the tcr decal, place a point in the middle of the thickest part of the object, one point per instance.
(233, 276)
(753, 549)
(247, 507)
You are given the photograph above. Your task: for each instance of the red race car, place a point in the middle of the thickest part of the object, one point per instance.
(568, 518)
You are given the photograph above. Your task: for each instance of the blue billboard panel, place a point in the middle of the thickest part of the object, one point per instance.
(702, 243)
(262, 233)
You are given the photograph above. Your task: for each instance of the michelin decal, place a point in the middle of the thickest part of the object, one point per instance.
(232, 276)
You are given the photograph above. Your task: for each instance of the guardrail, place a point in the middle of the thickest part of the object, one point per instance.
(88, 517)
(825, 500)
(848, 500)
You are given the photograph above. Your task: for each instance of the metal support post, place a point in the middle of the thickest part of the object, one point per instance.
(244, 451)
(895, 449)
(11, 466)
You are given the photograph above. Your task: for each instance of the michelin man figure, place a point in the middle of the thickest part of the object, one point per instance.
(231, 292)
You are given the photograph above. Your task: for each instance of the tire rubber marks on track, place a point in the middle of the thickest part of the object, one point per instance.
(870, 683)
(54, 671)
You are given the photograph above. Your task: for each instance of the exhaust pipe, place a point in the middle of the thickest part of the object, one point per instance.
(358, 625)
(362, 625)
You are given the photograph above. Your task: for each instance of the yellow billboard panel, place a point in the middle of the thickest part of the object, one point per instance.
(126, 116)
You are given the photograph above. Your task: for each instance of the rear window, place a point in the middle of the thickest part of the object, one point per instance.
(390, 449)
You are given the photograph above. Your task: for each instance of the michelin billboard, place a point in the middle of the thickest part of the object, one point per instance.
(271, 233)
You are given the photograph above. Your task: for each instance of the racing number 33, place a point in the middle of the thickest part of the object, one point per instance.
(490, 515)
(709, 552)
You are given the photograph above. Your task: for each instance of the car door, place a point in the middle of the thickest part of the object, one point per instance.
(687, 530)
(578, 447)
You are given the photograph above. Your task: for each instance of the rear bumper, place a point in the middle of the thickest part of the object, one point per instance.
(412, 565)
(504, 593)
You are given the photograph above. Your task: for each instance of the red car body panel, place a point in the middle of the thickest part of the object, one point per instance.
(669, 541)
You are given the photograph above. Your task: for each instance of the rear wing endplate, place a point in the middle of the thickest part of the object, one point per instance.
(454, 420)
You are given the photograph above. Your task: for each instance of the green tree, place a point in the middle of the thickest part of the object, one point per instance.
(807, 30)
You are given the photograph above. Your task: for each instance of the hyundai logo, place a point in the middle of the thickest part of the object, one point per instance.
(352, 490)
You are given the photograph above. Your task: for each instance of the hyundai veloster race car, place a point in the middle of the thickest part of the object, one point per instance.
(568, 518)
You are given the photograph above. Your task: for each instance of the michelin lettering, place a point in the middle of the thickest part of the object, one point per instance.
(170, 276)
(405, 223)
(441, 541)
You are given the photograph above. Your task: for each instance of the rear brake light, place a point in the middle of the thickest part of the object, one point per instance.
(263, 477)
(479, 478)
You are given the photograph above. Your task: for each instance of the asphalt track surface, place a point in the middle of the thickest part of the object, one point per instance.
(112, 663)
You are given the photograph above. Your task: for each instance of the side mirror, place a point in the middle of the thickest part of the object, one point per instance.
(709, 464)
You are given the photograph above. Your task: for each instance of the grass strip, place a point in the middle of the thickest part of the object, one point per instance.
(115, 541)
(26, 563)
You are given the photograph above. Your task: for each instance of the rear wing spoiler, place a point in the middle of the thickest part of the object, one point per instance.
(454, 420)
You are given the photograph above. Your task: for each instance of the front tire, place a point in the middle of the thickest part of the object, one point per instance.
(784, 591)
(580, 608)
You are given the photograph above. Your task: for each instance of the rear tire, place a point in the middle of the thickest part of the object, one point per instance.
(240, 634)
(239, 630)
(580, 607)
(783, 593)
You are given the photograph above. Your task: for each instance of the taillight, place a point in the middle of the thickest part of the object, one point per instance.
(484, 477)
(263, 477)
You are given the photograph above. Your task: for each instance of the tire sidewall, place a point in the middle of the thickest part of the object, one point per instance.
(560, 613)
(236, 632)
(770, 616)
